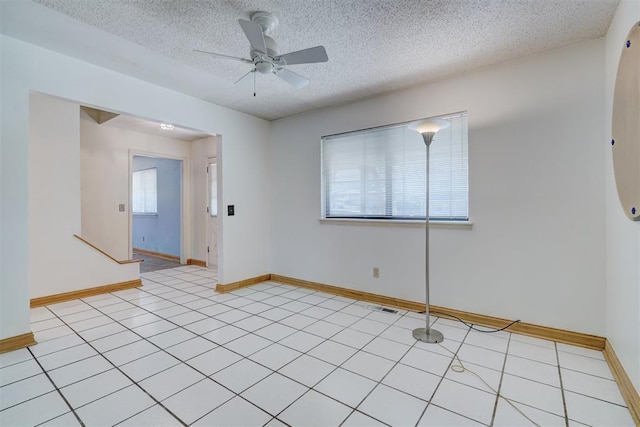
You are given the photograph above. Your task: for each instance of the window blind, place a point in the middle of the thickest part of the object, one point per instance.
(145, 191)
(381, 173)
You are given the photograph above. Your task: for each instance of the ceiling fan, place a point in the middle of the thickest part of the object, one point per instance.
(264, 53)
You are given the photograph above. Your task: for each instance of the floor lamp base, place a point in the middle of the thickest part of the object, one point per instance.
(430, 336)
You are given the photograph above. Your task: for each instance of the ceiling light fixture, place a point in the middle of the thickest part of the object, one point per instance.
(166, 126)
(428, 129)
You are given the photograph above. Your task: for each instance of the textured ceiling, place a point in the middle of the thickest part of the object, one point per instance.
(374, 46)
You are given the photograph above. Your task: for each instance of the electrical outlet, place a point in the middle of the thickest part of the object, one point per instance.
(376, 272)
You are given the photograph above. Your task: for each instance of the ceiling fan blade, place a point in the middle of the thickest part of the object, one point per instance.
(305, 56)
(219, 55)
(253, 32)
(245, 77)
(292, 78)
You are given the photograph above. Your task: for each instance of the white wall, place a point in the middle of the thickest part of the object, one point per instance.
(201, 150)
(61, 263)
(105, 153)
(536, 249)
(245, 172)
(623, 235)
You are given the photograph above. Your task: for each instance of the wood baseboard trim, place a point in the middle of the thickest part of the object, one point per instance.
(199, 263)
(17, 342)
(126, 261)
(168, 257)
(628, 391)
(537, 331)
(242, 283)
(84, 293)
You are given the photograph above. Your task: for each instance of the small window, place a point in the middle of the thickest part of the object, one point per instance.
(145, 192)
(381, 173)
(213, 188)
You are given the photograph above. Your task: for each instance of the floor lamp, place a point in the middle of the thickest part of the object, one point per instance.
(428, 128)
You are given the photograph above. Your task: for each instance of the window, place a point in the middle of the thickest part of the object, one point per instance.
(381, 173)
(145, 192)
(213, 188)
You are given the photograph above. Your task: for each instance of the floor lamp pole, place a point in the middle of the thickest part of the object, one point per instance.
(427, 334)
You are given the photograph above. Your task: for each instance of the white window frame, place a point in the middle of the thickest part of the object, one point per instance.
(150, 207)
(461, 181)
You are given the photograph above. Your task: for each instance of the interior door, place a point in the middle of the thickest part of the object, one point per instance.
(212, 214)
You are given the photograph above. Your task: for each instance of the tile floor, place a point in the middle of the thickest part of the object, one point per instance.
(151, 263)
(175, 352)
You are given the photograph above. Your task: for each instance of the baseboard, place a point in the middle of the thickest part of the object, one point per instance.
(544, 332)
(191, 261)
(628, 391)
(242, 283)
(168, 257)
(84, 293)
(17, 342)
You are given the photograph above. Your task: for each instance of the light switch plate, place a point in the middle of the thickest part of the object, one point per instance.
(121, 207)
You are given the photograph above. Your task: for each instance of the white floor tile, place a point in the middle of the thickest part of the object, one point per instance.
(307, 370)
(386, 348)
(214, 310)
(232, 316)
(392, 407)
(298, 321)
(19, 371)
(95, 387)
(275, 332)
(191, 348)
(116, 407)
(170, 338)
(533, 352)
(66, 420)
(346, 387)
(358, 419)
(143, 319)
(596, 412)
(508, 416)
(149, 365)
(203, 326)
(333, 352)
(152, 417)
(16, 356)
(201, 398)
(154, 328)
(225, 334)
(398, 334)
(317, 312)
(114, 341)
(241, 375)
(235, 413)
(262, 394)
(64, 357)
(214, 360)
(101, 331)
(333, 304)
(356, 310)
(435, 416)
(464, 400)
(428, 361)
(34, 411)
(488, 341)
(26, 389)
(91, 323)
(275, 314)
(323, 329)
(314, 409)
(368, 365)
(470, 376)
(275, 356)
(256, 307)
(415, 382)
(78, 371)
(130, 352)
(252, 323)
(187, 318)
(532, 393)
(52, 333)
(171, 381)
(581, 351)
(592, 386)
(481, 356)
(353, 338)
(587, 365)
(301, 341)
(532, 370)
(56, 344)
(342, 319)
(248, 344)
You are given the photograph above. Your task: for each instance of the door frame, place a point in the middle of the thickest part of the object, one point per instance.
(210, 160)
(184, 186)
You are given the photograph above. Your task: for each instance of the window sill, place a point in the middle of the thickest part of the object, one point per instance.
(145, 214)
(456, 225)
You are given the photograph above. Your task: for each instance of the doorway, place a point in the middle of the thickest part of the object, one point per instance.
(212, 213)
(156, 209)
